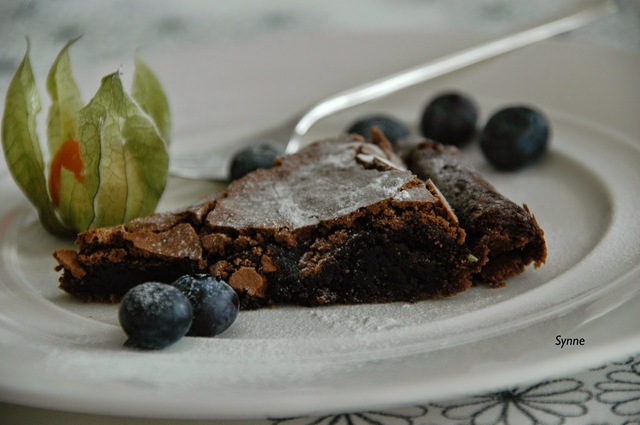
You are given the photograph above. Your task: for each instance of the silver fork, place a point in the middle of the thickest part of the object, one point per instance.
(212, 166)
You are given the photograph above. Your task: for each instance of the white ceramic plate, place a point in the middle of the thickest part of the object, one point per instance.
(60, 353)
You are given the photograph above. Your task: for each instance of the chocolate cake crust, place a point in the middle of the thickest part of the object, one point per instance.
(504, 236)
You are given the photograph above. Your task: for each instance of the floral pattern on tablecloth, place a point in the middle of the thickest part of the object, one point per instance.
(607, 395)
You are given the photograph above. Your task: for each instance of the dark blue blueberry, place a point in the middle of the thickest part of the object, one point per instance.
(154, 315)
(252, 158)
(392, 128)
(514, 137)
(215, 303)
(450, 118)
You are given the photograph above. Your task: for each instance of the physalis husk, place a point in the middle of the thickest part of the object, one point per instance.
(108, 159)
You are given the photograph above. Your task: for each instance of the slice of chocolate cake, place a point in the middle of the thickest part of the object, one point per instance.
(504, 236)
(338, 222)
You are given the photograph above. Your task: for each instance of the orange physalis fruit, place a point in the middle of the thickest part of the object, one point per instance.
(68, 156)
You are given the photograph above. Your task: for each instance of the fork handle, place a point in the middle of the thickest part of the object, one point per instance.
(567, 21)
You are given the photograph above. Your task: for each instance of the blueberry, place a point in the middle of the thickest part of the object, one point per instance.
(215, 303)
(514, 137)
(252, 158)
(154, 315)
(450, 118)
(392, 128)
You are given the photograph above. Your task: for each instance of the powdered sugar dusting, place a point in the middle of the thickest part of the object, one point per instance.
(180, 241)
(320, 188)
(412, 194)
(152, 297)
(355, 322)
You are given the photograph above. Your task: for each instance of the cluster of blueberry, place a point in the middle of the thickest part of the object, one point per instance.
(512, 138)
(155, 315)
